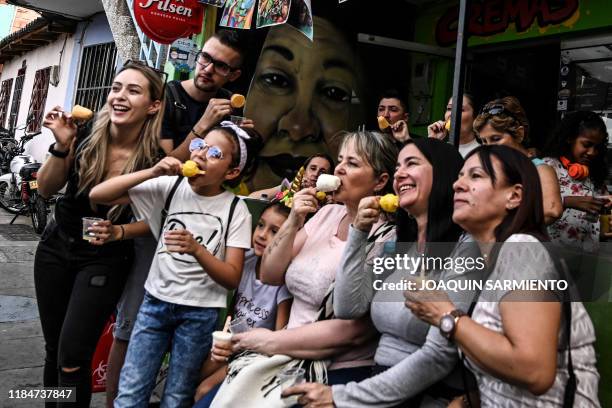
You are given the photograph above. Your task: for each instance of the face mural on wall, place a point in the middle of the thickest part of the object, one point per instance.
(302, 95)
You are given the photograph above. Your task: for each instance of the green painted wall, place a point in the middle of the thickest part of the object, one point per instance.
(7, 13)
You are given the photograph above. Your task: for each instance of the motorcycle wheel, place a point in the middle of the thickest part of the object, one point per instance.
(39, 215)
(10, 204)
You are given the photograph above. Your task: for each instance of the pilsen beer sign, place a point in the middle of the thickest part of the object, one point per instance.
(492, 17)
(164, 21)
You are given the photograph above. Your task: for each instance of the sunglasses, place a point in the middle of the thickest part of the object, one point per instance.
(204, 59)
(141, 64)
(496, 110)
(213, 152)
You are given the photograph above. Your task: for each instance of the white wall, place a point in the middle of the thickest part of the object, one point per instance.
(40, 58)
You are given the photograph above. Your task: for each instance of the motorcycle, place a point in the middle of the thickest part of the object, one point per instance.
(19, 187)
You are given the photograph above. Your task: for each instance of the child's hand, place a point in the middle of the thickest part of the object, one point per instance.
(368, 213)
(61, 125)
(181, 241)
(221, 351)
(587, 204)
(168, 166)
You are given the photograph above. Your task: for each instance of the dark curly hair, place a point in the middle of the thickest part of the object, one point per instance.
(572, 126)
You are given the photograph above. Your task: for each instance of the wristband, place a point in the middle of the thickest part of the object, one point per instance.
(196, 133)
(122, 232)
(58, 153)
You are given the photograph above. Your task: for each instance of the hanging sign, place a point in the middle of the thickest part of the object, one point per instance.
(164, 21)
(182, 54)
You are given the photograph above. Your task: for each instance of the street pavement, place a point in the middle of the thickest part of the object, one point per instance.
(21, 341)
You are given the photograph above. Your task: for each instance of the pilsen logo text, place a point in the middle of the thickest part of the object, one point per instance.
(494, 16)
(167, 6)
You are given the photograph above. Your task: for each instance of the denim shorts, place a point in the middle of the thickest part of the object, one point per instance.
(144, 249)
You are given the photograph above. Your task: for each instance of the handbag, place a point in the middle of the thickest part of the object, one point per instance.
(99, 362)
(252, 378)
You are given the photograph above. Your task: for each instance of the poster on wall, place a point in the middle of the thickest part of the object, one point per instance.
(301, 17)
(238, 14)
(214, 3)
(182, 54)
(272, 12)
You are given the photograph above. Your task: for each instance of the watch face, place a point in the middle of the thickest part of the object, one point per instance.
(446, 324)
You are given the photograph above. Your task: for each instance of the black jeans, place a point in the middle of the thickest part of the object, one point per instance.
(77, 289)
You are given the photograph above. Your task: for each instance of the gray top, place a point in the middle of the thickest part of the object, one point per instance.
(407, 344)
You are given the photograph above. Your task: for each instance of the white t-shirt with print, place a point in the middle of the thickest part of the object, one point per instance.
(255, 300)
(179, 278)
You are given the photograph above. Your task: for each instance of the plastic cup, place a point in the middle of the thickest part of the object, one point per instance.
(237, 120)
(239, 325)
(288, 378)
(221, 337)
(87, 223)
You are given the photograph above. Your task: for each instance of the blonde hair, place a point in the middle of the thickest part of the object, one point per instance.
(376, 149)
(93, 157)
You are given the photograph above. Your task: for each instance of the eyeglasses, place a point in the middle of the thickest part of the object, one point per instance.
(221, 68)
(214, 152)
(496, 110)
(163, 75)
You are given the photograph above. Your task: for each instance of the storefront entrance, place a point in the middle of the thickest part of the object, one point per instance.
(529, 73)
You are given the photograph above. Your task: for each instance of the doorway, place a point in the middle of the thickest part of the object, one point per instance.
(530, 74)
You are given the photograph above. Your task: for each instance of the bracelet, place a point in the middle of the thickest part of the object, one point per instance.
(122, 232)
(196, 133)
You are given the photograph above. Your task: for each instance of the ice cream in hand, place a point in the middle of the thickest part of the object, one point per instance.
(389, 203)
(383, 123)
(327, 183)
(237, 101)
(447, 125)
(81, 113)
(190, 169)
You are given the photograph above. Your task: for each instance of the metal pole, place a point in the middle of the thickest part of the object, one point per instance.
(458, 78)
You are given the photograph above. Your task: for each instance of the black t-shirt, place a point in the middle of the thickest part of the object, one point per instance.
(72, 207)
(191, 112)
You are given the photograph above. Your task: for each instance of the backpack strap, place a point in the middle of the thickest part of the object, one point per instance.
(230, 216)
(174, 100)
(164, 211)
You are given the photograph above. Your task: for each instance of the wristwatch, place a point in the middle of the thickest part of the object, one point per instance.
(448, 323)
(58, 153)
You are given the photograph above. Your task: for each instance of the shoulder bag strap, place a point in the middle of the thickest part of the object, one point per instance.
(164, 212)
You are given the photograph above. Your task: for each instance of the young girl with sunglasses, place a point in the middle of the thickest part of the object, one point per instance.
(580, 164)
(200, 255)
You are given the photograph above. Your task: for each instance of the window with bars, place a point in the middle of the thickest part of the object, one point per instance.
(5, 96)
(96, 75)
(39, 98)
(16, 99)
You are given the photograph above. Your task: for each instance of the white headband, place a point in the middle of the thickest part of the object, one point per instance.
(241, 135)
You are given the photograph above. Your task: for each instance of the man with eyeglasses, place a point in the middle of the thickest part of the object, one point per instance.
(394, 109)
(196, 105)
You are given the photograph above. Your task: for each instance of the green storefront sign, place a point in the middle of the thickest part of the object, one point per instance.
(496, 21)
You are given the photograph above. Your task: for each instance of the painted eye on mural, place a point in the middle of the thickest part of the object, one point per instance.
(275, 80)
(335, 94)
